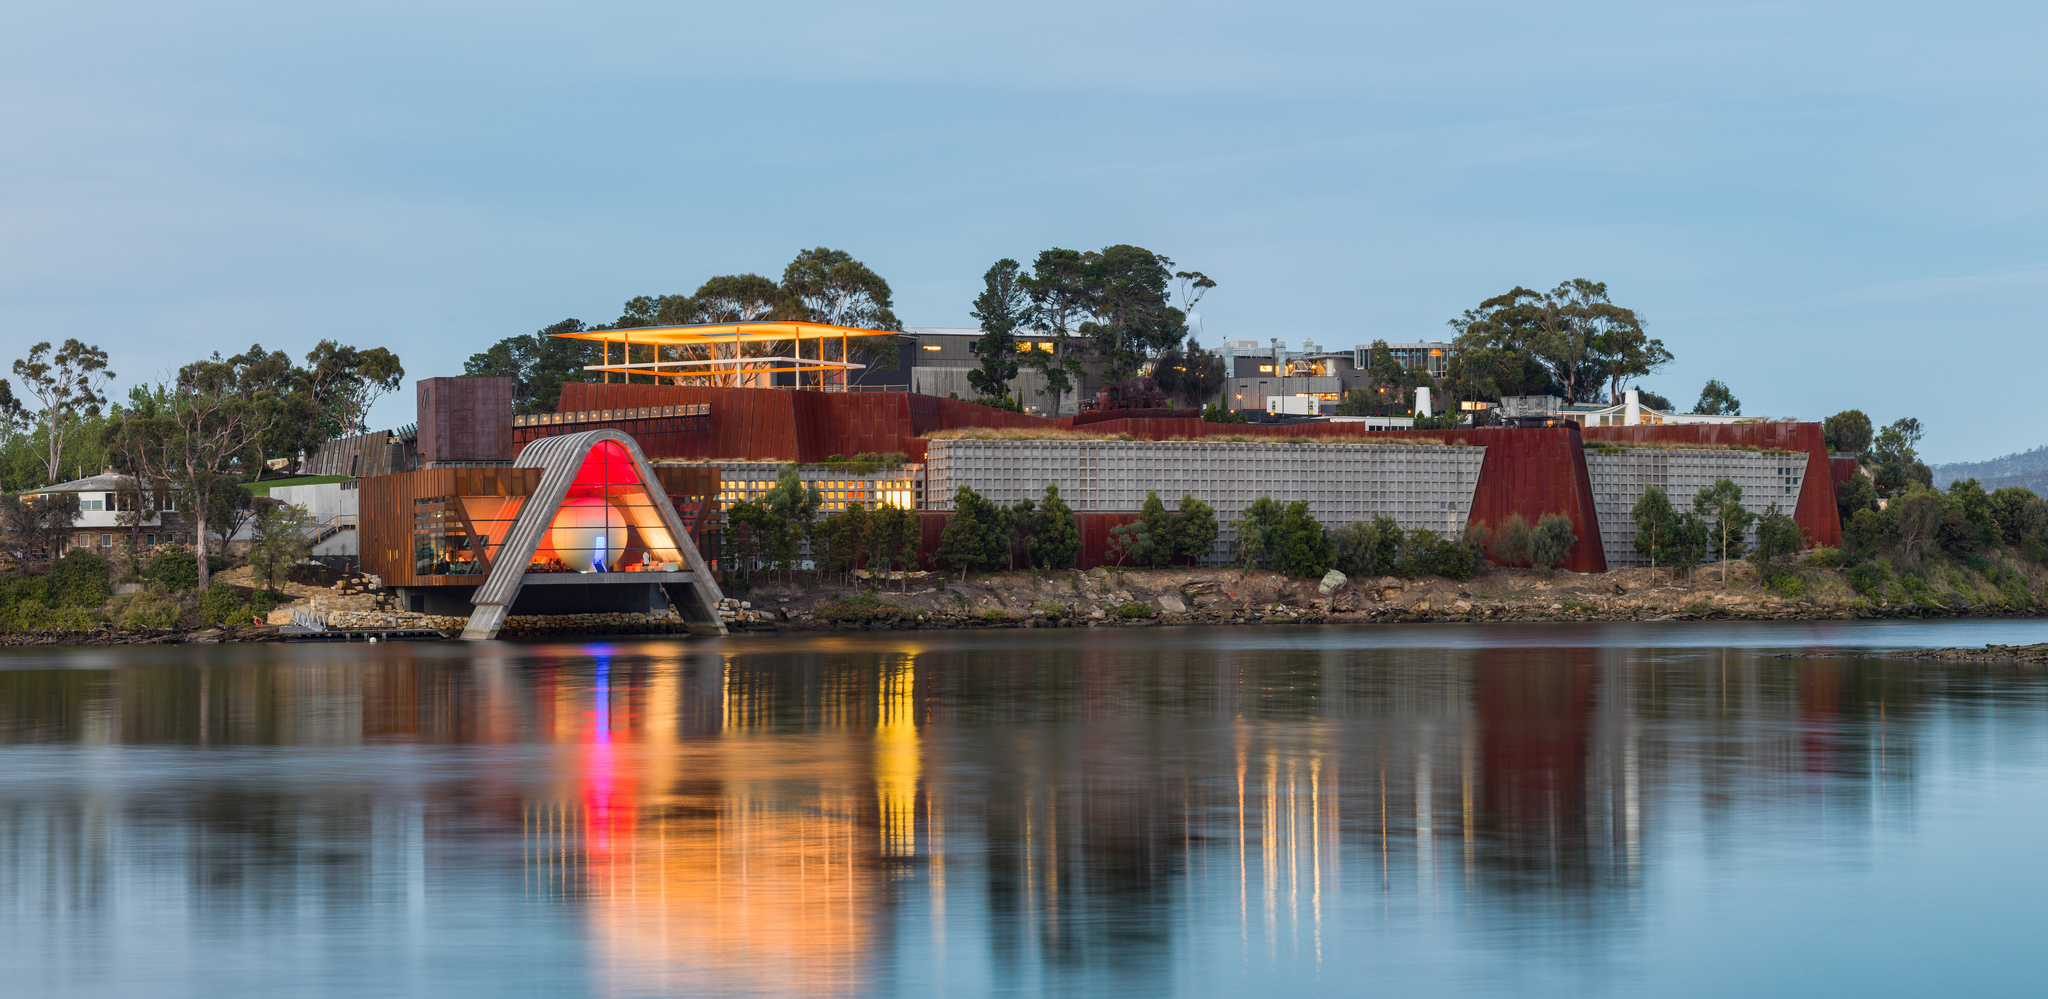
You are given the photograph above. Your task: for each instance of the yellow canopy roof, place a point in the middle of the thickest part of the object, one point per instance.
(724, 333)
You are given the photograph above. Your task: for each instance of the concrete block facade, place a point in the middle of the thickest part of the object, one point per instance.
(1417, 485)
(1619, 480)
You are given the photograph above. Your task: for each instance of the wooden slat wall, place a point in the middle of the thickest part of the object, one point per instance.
(386, 511)
(360, 455)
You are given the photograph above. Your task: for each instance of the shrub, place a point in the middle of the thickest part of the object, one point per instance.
(33, 616)
(1790, 585)
(1869, 578)
(1425, 551)
(223, 604)
(1510, 541)
(1777, 538)
(1136, 608)
(79, 579)
(145, 611)
(861, 608)
(1049, 609)
(1824, 557)
(1550, 541)
(1301, 547)
(1052, 537)
(1369, 548)
(1916, 588)
(178, 570)
(2013, 590)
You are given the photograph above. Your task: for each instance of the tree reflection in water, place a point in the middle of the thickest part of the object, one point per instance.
(836, 814)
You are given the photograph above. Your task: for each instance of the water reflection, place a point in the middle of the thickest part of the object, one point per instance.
(1098, 813)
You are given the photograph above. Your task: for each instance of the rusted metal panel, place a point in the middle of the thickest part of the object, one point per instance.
(465, 419)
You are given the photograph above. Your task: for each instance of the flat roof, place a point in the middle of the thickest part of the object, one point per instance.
(702, 333)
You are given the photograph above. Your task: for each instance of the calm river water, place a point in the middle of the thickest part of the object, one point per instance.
(1651, 809)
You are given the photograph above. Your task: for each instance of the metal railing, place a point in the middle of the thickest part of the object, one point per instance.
(612, 415)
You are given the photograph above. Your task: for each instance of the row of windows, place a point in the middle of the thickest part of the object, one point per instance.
(148, 539)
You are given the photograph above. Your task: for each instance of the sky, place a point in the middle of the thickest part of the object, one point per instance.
(1824, 205)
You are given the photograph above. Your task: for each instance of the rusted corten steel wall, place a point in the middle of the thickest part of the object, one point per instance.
(1844, 469)
(790, 425)
(1816, 511)
(465, 419)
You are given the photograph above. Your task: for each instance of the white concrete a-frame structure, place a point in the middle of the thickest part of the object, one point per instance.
(609, 465)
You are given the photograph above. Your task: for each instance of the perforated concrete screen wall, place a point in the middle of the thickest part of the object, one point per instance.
(1417, 485)
(1619, 480)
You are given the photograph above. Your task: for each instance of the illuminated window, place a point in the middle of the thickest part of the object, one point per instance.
(1045, 345)
(931, 346)
(1266, 369)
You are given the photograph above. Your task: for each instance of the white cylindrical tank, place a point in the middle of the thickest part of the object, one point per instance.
(586, 531)
(1632, 415)
(1422, 401)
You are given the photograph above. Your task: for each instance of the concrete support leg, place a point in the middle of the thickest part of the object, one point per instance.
(698, 613)
(484, 623)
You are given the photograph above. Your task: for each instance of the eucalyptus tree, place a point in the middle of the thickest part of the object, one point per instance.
(69, 383)
(1573, 333)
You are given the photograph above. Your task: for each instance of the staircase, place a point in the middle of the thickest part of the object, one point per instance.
(330, 527)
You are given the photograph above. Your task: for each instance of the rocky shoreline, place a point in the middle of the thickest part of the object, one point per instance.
(1103, 598)
(2037, 653)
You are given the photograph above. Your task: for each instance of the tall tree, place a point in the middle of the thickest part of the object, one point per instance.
(733, 298)
(538, 364)
(1058, 287)
(1132, 320)
(69, 385)
(1720, 505)
(1191, 375)
(1574, 332)
(1053, 537)
(196, 441)
(1716, 400)
(1002, 307)
(13, 415)
(1847, 432)
(834, 288)
(346, 381)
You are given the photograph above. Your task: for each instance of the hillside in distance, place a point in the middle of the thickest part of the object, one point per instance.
(2028, 469)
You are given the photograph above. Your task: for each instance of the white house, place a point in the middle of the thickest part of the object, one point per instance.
(103, 512)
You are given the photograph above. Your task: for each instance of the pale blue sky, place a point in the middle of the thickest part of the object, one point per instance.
(1825, 205)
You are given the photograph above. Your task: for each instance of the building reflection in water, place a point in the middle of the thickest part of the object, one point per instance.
(800, 821)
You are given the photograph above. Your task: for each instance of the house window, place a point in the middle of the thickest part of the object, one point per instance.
(106, 541)
(90, 506)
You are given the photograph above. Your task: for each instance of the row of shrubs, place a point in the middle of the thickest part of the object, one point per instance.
(76, 594)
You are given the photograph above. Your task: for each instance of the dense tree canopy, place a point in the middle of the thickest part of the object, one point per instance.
(1716, 400)
(1572, 340)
